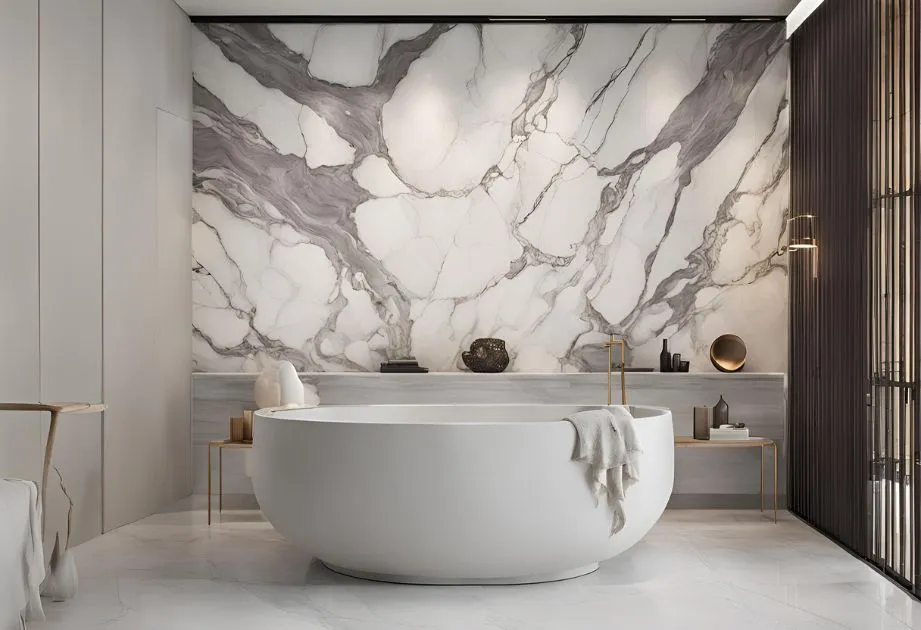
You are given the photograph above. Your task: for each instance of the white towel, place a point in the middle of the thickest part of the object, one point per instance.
(607, 442)
(22, 560)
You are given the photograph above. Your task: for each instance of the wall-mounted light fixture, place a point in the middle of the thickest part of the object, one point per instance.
(800, 234)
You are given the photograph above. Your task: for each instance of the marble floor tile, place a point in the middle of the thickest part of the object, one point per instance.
(706, 570)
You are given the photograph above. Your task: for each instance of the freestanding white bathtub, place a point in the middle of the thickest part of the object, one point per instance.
(449, 494)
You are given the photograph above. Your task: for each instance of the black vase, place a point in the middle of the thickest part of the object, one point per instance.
(720, 413)
(665, 359)
(486, 355)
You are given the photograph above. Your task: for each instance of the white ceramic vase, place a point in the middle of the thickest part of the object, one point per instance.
(279, 386)
(290, 388)
(62, 581)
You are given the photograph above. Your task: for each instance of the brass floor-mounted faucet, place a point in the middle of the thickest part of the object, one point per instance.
(623, 375)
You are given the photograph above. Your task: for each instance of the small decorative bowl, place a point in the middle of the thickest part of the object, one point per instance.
(728, 353)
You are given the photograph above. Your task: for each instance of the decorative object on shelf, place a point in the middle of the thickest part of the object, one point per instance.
(248, 427)
(800, 234)
(701, 423)
(684, 366)
(676, 362)
(729, 432)
(486, 355)
(720, 413)
(236, 430)
(665, 358)
(403, 366)
(728, 353)
(279, 386)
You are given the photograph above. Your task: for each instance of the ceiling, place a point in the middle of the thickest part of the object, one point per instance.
(520, 8)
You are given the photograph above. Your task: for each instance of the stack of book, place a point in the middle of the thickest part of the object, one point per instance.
(403, 366)
(729, 432)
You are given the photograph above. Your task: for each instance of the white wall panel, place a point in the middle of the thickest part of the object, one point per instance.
(144, 457)
(20, 447)
(71, 249)
(174, 39)
(174, 255)
(95, 229)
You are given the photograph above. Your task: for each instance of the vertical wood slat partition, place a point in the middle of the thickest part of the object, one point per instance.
(855, 314)
(830, 86)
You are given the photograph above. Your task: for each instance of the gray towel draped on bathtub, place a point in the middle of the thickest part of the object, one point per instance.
(607, 442)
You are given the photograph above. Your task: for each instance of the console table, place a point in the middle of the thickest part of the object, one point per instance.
(762, 443)
(55, 409)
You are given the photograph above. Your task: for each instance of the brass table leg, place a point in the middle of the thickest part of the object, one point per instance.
(220, 480)
(775, 482)
(762, 478)
(209, 485)
(610, 376)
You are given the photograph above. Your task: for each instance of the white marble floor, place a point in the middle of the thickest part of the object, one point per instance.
(697, 569)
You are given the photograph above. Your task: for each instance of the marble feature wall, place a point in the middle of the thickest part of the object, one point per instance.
(365, 192)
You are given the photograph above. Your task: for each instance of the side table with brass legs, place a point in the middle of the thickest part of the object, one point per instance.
(762, 443)
(220, 445)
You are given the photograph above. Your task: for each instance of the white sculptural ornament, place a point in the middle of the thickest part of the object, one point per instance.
(279, 386)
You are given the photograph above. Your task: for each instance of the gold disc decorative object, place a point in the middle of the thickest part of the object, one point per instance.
(727, 353)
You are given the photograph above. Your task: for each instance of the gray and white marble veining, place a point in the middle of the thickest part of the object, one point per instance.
(365, 192)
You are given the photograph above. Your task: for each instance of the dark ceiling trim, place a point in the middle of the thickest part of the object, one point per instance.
(483, 19)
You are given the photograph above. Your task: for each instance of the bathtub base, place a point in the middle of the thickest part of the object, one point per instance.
(428, 581)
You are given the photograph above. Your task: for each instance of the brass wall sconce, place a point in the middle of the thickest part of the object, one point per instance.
(800, 234)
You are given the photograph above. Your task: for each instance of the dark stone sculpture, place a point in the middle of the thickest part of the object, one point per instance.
(486, 355)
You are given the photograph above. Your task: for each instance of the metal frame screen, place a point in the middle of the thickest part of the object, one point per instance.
(855, 316)
(894, 276)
